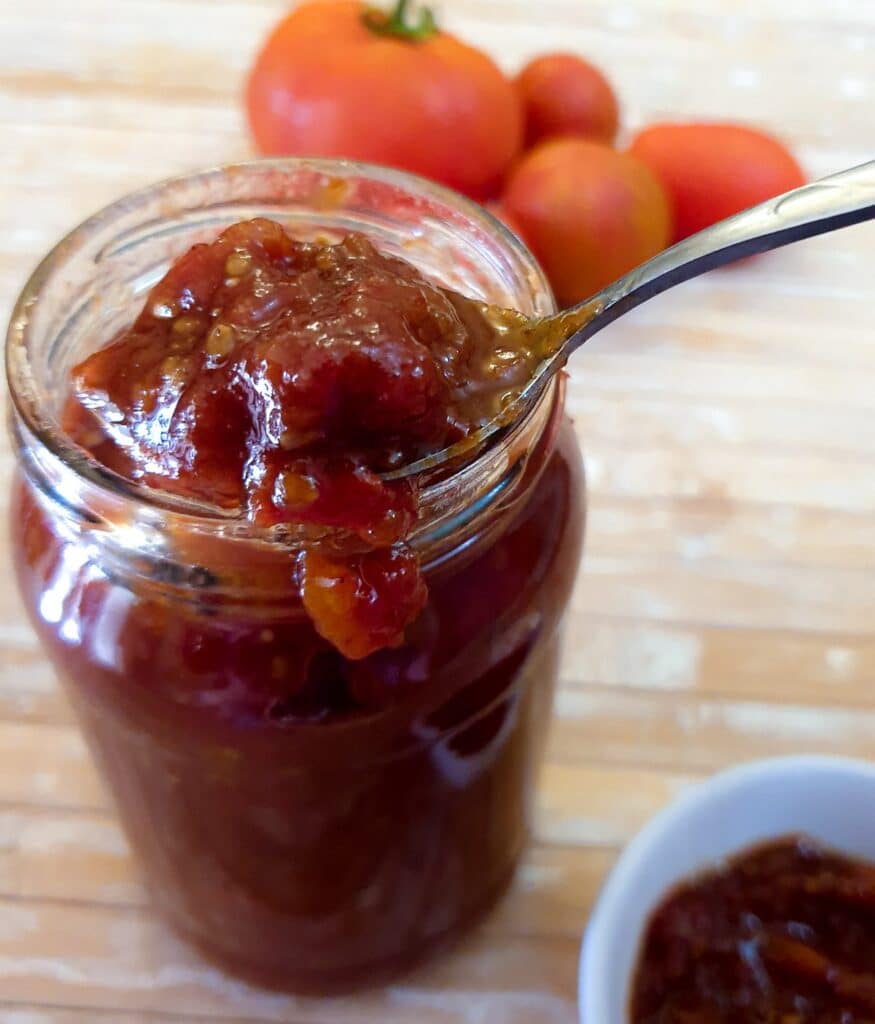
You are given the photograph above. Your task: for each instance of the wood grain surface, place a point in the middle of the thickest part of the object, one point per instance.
(726, 610)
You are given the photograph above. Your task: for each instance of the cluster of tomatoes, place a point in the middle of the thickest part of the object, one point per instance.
(340, 78)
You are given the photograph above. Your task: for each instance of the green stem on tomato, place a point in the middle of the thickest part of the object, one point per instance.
(398, 22)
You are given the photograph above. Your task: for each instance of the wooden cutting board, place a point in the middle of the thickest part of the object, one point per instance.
(726, 610)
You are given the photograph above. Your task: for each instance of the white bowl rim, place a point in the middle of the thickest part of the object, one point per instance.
(614, 893)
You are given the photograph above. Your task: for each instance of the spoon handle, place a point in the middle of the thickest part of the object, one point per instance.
(835, 202)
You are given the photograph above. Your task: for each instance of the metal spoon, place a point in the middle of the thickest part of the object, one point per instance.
(834, 202)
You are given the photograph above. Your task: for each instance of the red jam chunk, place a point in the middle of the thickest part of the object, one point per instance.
(363, 603)
(279, 378)
(785, 934)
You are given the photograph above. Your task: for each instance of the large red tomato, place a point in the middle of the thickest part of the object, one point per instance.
(341, 79)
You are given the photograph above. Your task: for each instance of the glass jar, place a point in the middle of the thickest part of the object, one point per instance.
(307, 845)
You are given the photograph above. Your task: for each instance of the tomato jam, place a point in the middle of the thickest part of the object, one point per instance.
(317, 697)
(280, 377)
(784, 934)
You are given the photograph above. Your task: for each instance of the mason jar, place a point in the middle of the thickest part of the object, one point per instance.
(313, 837)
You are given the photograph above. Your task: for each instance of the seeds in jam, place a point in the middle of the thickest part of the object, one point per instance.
(280, 378)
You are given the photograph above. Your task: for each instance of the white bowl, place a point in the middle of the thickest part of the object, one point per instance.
(831, 799)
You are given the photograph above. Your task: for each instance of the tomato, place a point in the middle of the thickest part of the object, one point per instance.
(588, 213)
(562, 94)
(340, 79)
(712, 171)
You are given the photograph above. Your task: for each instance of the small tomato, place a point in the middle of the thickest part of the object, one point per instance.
(562, 94)
(712, 171)
(341, 79)
(588, 213)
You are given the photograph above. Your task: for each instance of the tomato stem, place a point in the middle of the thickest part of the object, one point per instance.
(398, 22)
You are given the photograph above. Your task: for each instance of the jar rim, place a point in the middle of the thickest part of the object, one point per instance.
(47, 432)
